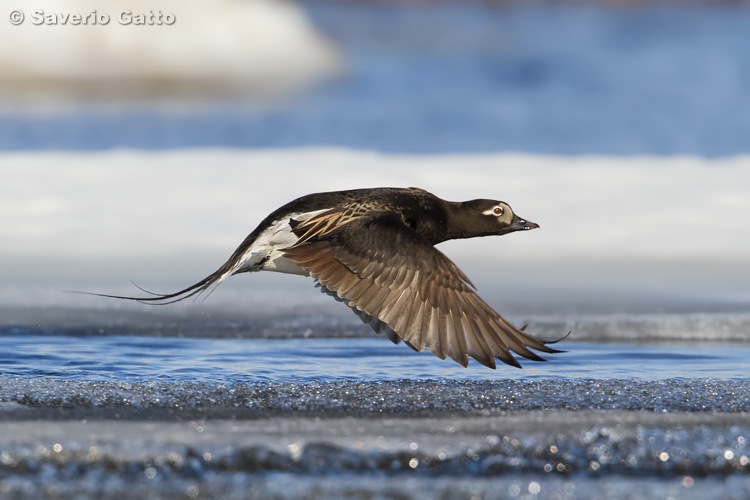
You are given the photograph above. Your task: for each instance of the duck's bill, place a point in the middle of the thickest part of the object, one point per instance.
(520, 224)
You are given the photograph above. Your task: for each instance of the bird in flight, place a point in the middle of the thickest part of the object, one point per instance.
(373, 250)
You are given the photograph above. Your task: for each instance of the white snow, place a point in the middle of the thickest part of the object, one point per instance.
(652, 224)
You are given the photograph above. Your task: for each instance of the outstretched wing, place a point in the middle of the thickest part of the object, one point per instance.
(381, 267)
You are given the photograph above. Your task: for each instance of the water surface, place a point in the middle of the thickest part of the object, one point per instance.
(142, 358)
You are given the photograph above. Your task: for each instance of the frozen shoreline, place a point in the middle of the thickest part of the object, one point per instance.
(728, 325)
(26, 398)
(630, 233)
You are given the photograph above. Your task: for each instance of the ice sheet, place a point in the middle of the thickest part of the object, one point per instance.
(655, 225)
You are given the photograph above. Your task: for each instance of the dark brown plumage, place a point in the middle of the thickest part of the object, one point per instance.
(373, 249)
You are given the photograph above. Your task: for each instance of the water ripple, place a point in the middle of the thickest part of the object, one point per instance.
(134, 359)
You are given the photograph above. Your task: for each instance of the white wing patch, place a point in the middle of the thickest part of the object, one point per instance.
(266, 252)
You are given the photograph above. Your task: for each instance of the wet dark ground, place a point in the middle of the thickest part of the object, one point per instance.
(42, 397)
(567, 438)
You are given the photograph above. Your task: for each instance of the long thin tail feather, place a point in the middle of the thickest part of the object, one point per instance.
(231, 265)
(163, 299)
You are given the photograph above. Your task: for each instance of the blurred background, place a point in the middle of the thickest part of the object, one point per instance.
(578, 77)
(145, 139)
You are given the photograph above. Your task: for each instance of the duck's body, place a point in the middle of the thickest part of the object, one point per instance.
(373, 249)
(265, 246)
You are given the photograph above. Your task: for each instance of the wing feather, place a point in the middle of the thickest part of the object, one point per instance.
(434, 338)
(478, 348)
(400, 283)
(404, 307)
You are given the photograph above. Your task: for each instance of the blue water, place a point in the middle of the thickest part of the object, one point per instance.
(556, 79)
(137, 359)
(139, 417)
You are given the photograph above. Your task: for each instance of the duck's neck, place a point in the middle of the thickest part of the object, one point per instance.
(455, 222)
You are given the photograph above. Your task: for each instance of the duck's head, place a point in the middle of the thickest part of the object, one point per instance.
(484, 218)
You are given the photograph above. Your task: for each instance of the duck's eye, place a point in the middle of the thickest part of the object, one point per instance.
(497, 211)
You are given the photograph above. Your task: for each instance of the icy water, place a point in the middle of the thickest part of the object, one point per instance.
(285, 394)
(142, 358)
(165, 417)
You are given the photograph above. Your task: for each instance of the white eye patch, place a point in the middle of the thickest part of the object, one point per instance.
(497, 210)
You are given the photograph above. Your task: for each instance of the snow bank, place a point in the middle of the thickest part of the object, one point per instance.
(675, 225)
(94, 204)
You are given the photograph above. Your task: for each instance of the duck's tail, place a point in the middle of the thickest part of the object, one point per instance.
(238, 260)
